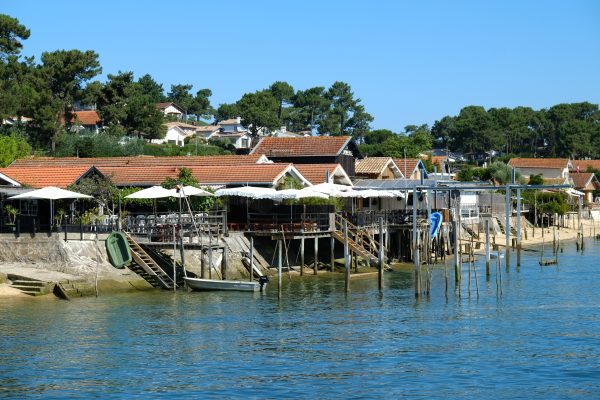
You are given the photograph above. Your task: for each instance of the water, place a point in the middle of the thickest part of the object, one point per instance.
(540, 339)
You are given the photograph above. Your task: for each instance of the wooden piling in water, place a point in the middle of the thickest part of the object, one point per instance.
(346, 258)
(279, 269)
(487, 248)
(332, 253)
(380, 257)
(417, 266)
(315, 264)
(302, 254)
(251, 257)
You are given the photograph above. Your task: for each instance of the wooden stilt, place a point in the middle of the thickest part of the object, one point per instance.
(346, 258)
(380, 258)
(316, 255)
(332, 255)
(302, 255)
(487, 249)
(251, 257)
(279, 269)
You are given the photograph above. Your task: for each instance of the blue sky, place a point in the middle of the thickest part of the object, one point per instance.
(410, 62)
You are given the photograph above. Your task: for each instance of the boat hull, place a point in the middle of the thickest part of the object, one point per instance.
(213, 284)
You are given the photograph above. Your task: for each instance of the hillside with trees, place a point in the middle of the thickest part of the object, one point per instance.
(38, 98)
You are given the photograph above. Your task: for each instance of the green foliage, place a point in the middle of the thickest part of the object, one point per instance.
(536, 180)
(283, 93)
(546, 202)
(564, 130)
(12, 212)
(12, 147)
(185, 177)
(466, 173)
(11, 34)
(289, 182)
(259, 110)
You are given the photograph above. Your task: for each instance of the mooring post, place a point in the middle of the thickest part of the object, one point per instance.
(380, 258)
(224, 264)
(518, 227)
(251, 257)
(279, 269)
(487, 248)
(174, 252)
(346, 258)
(456, 255)
(332, 250)
(507, 210)
(302, 254)
(417, 267)
(316, 254)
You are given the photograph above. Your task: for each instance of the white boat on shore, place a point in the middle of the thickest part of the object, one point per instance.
(215, 284)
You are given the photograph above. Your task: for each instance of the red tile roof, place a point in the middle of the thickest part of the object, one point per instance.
(373, 165)
(39, 177)
(316, 173)
(144, 161)
(407, 165)
(206, 175)
(86, 117)
(552, 163)
(582, 179)
(584, 164)
(301, 146)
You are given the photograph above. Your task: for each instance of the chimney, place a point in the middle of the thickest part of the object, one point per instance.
(238, 120)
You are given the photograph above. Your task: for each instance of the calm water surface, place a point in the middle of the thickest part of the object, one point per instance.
(539, 339)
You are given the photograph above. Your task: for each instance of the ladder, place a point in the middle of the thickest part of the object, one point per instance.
(359, 241)
(148, 264)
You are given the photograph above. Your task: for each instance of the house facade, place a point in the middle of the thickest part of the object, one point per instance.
(377, 168)
(311, 150)
(171, 110)
(585, 182)
(549, 168)
(411, 168)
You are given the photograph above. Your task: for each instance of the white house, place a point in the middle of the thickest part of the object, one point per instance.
(175, 135)
(207, 132)
(549, 168)
(240, 140)
(232, 125)
(170, 109)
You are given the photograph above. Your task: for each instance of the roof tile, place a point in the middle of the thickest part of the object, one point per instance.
(301, 146)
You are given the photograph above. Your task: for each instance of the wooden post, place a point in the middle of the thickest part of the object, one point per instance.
(417, 267)
(346, 258)
(518, 227)
(174, 252)
(332, 250)
(507, 210)
(456, 255)
(302, 254)
(487, 248)
(279, 269)
(224, 264)
(380, 258)
(316, 254)
(251, 257)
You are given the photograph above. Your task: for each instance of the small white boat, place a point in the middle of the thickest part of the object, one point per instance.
(215, 284)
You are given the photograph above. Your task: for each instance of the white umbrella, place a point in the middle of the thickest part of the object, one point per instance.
(296, 194)
(328, 188)
(50, 193)
(189, 191)
(250, 192)
(154, 192)
(367, 193)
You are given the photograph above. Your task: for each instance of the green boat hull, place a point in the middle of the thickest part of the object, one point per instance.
(119, 253)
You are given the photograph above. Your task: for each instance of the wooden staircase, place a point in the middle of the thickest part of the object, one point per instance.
(148, 265)
(359, 241)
